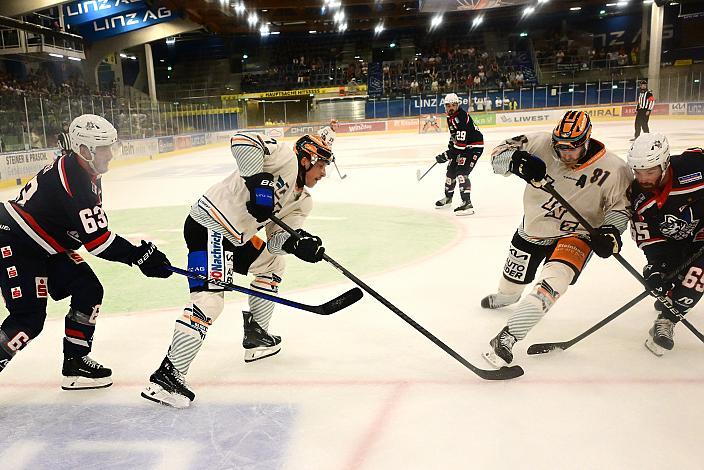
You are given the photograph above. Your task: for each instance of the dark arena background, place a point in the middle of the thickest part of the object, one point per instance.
(361, 388)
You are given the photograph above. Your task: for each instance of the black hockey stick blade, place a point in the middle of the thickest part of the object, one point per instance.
(340, 302)
(504, 373)
(328, 308)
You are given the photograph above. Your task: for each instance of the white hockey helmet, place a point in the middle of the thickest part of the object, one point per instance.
(93, 132)
(452, 98)
(649, 151)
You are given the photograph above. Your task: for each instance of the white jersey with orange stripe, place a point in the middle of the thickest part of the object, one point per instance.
(596, 188)
(223, 206)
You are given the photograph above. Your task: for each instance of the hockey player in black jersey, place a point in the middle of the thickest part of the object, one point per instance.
(464, 149)
(667, 197)
(57, 212)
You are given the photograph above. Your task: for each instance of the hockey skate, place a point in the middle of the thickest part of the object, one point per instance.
(500, 354)
(499, 300)
(257, 343)
(444, 203)
(465, 208)
(83, 373)
(661, 336)
(168, 387)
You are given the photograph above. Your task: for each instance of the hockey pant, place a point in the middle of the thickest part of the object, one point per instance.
(642, 119)
(458, 170)
(564, 261)
(213, 255)
(27, 278)
(688, 289)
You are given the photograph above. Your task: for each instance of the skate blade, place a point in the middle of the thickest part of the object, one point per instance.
(254, 354)
(654, 348)
(77, 382)
(494, 360)
(465, 212)
(157, 394)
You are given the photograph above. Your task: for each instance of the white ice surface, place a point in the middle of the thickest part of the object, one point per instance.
(362, 389)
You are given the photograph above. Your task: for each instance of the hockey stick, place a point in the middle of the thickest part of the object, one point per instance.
(550, 189)
(542, 348)
(418, 175)
(330, 307)
(338, 171)
(500, 374)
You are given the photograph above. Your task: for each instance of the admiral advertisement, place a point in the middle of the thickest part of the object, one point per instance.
(96, 20)
(601, 114)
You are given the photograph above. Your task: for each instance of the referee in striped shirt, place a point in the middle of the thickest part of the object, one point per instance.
(646, 102)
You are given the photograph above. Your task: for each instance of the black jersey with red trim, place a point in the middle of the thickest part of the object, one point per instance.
(667, 221)
(465, 137)
(61, 209)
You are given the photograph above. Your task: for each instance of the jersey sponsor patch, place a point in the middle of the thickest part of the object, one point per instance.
(75, 257)
(461, 160)
(6, 251)
(690, 178)
(197, 263)
(215, 255)
(16, 292)
(42, 288)
(12, 272)
(516, 265)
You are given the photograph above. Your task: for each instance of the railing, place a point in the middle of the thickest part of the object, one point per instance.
(28, 122)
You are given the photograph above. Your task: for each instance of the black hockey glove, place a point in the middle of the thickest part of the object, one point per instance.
(654, 275)
(442, 158)
(308, 247)
(261, 195)
(527, 166)
(150, 260)
(606, 241)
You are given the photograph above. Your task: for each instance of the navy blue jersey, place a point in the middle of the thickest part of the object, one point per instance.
(465, 137)
(60, 209)
(666, 222)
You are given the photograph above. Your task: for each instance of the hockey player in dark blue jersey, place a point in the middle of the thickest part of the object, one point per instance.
(464, 149)
(57, 212)
(667, 198)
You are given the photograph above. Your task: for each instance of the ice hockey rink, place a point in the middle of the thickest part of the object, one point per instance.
(362, 389)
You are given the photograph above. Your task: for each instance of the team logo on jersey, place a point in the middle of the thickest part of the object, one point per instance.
(16, 292)
(42, 289)
(461, 160)
(516, 265)
(12, 272)
(75, 257)
(554, 209)
(6, 251)
(679, 228)
(690, 178)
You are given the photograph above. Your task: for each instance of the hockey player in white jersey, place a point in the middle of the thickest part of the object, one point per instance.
(594, 181)
(220, 233)
(327, 133)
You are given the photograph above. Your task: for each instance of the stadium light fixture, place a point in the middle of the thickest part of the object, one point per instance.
(78, 59)
(435, 21)
(477, 20)
(342, 27)
(528, 11)
(122, 54)
(392, 45)
(170, 41)
(540, 2)
(264, 30)
(602, 12)
(621, 3)
(239, 8)
(378, 29)
(253, 19)
(523, 34)
(312, 31)
(575, 8)
(168, 68)
(339, 16)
